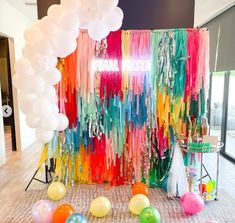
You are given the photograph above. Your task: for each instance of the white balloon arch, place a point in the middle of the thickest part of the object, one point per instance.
(47, 39)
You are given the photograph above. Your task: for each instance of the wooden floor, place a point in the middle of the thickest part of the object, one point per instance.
(20, 166)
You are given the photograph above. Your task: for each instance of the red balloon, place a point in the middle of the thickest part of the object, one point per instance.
(203, 188)
(62, 212)
(140, 188)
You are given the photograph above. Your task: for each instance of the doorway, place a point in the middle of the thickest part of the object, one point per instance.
(7, 105)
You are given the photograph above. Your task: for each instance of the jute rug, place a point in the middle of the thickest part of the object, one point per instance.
(19, 210)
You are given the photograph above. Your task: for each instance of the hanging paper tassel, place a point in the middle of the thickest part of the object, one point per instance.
(177, 183)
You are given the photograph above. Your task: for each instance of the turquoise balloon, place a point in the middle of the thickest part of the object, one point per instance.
(150, 215)
(77, 218)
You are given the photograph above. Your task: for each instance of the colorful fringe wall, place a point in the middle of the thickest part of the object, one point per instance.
(124, 124)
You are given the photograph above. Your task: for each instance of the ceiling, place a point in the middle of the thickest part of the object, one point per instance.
(27, 7)
(205, 10)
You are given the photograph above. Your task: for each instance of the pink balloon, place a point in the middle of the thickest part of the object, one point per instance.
(192, 203)
(42, 211)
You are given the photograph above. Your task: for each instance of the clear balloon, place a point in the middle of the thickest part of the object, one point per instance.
(56, 191)
(150, 215)
(100, 207)
(77, 218)
(23, 66)
(192, 203)
(44, 136)
(97, 30)
(42, 211)
(63, 122)
(138, 203)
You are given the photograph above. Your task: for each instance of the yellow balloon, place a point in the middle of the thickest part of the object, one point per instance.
(56, 191)
(209, 187)
(100, 207)
(138, 203)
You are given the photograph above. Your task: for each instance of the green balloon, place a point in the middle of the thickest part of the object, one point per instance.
(150, 215)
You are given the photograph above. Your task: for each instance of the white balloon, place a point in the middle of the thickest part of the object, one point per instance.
(106, 5)
(70, 5)
(49, 92)
(26, 52)
(32, 120)
(42, 64)
(44, 136)
(69, 22)
(63, 122)
(18, 81)
(119, 11)
(34, 83)
(53, 76)
(33, 34)
(49, 123)
(25, 97)
(113, 20)
(85, 17)
(55, 109)
(42, 107)
(64, 44)
(26, 107)
(76, 33)
(49, 26)
(97, 30)
(43, 46)
(23, 66)
(55, 11)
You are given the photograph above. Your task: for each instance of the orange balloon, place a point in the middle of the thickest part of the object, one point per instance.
(62, 212)
(140, 188)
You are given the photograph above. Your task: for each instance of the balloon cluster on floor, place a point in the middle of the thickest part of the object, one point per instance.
(47, 39)
(45, 211)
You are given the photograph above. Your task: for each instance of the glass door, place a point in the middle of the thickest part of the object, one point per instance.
(222, 111)
(216, 105)
(230, 119)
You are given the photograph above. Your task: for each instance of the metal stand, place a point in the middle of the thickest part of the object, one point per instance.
(215, 149)
(48, 174)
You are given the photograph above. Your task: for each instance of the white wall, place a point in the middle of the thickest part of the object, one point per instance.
(207, 9)
(12, 24)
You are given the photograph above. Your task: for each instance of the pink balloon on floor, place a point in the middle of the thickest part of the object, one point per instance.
(192, 203)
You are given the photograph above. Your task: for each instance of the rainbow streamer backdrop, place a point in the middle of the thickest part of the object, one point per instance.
(123, 124)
